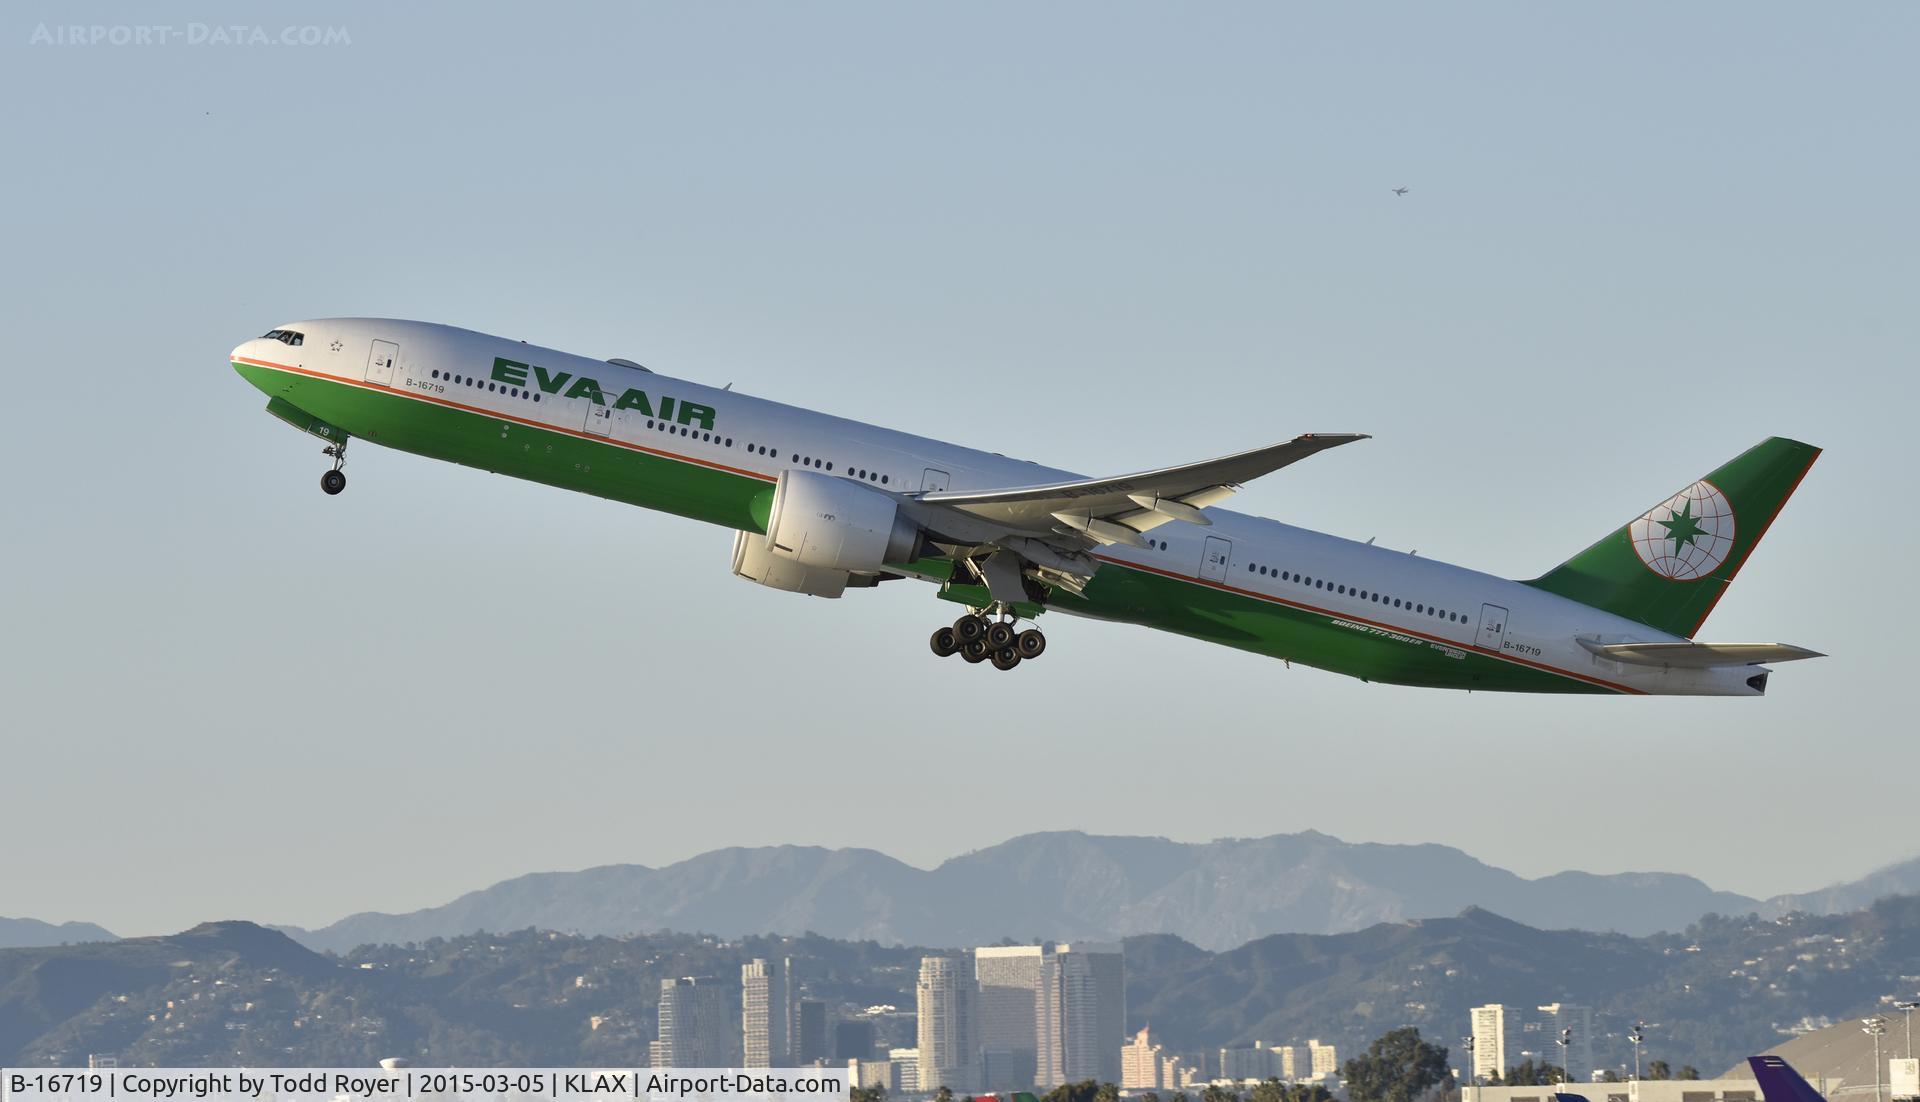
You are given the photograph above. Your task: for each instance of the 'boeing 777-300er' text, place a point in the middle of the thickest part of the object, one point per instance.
(820, 504)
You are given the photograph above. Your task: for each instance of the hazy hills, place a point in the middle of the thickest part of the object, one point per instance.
(42, 989)
(19, 933)
(238, 994)
(1902, 878)
(1060, 885)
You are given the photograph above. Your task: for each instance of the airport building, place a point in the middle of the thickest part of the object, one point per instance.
(1647, 1090)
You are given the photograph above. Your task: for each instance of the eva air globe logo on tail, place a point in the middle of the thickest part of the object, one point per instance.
(1687, 536)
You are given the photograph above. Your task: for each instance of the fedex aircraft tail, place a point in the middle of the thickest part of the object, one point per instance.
(1779, 1082)
(1669, 566)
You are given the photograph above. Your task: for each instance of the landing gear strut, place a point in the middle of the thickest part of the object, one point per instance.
(335, 480)
(977, 638)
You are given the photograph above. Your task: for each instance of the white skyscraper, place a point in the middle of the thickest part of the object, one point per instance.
(1496, 1040)
(697, 1026)
(1009, 978)
(1323, 1060)
(766, 1012)
(1081, 1012)
(949, 1038)
(1140, 1063)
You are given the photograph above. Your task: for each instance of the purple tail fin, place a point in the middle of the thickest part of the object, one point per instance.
(1779, 1082)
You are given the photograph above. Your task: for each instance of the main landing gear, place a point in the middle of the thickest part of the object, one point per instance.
(976, 638)
(335, 480)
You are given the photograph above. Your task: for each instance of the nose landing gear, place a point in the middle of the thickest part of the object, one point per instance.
(976, 638)
(335, 480)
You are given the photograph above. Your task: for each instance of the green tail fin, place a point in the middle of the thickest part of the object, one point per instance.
(1668, 568)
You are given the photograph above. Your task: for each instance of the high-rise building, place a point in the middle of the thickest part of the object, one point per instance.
(697, 1025)
(1262, 1061)
(1577, 1059)
(1287, 1063)
(868, 1074)
(1081, 1011)
(1140, 1063)
(949, 1050)
(1496, 1040)
(1323, 1061)
(766, 1012)
(852, 1040)
(1009, 978)
(809, 1032)
(906, 1062)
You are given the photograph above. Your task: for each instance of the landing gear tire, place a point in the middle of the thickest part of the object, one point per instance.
(1030, 643)
(975, 651)
(1006, 659)
(333, 482)
(944, 642)
(1000, 636)
(968, 628)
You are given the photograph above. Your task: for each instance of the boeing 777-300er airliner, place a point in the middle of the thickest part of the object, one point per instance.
(820, 504)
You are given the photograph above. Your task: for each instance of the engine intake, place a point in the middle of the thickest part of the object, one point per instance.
(830, 523)
(753, 561)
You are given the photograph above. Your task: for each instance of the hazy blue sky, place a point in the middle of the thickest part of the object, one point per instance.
(1104, 236)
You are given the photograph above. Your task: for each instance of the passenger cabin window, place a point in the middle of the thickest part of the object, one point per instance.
(286, 336)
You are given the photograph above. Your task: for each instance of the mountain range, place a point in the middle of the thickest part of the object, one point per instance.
(21, 933)
(236, 994)
(1065, 885)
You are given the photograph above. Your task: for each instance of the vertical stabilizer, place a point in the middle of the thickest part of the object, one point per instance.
(1779, 1082)
(1669, 566)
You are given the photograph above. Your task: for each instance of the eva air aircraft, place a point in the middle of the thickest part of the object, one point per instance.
(820, 504)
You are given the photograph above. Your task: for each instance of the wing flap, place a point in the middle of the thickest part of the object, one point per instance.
(1138, 501)
(1698, 656)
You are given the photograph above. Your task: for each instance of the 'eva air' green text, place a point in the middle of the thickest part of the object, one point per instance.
(514, 373)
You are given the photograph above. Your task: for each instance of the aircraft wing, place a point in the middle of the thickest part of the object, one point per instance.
(1699, 656)
(1116, 510)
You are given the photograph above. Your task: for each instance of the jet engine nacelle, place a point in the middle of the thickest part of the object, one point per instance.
(753, 561)
(831, 523)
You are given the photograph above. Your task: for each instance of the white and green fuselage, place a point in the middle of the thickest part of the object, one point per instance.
(619, 431)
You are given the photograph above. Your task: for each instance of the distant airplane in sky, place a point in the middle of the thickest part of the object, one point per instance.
(819, 504)
(1401, 190)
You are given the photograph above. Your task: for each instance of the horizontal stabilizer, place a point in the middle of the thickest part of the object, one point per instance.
(1698, 656)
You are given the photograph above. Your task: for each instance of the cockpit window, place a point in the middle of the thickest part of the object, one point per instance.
(286, 336)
